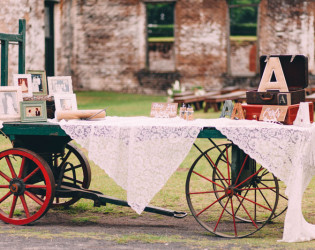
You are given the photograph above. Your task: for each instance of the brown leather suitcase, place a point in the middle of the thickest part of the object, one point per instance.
(295, 69)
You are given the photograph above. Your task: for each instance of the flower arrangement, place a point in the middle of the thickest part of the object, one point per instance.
(176, 88)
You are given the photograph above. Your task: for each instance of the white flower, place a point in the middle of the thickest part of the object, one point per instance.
(176, 85)
(169, 92)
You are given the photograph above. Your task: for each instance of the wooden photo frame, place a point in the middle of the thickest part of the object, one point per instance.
(39, 82)
(10, 98)
(33, 111)
(25, 83)
(59, 85)
(65, 102)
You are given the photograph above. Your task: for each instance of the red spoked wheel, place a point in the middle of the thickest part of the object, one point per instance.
(228, 201)
(24, 178)
(76, 172)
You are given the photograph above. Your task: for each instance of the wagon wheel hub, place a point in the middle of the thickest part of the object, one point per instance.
(17, 186)
(229, 191)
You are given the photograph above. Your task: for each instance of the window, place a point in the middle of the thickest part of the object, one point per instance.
(243, 37)
(160, 36)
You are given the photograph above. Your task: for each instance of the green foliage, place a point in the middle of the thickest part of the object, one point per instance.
(161, 31)
(243, 29)
(160, 19)
(160, 13)
(243, 20)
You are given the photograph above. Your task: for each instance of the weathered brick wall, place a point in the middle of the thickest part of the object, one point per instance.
(243, 58)
(33, 11)
(287, 27)
(201, 41)
(107, 45)
(101, 43)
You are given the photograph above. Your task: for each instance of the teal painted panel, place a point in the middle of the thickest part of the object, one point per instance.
(39, 128)
(210, 132)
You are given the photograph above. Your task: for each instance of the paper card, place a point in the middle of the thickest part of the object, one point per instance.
(163, 110)
(273, 113)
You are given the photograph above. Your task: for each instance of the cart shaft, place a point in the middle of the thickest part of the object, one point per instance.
(101, 200)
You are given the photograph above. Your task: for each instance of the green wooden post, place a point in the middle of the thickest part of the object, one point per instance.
(4, 62)
(5, 40)
(22, 29)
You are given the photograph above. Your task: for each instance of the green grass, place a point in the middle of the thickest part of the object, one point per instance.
(118, 104)
(243, 38)
(161, 39)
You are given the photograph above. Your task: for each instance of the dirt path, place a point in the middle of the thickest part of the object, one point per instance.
(60, 230)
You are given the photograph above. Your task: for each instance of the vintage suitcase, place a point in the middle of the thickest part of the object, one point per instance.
(295, 69)
(252, 112)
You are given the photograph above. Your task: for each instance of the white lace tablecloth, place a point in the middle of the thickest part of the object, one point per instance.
(141, 153)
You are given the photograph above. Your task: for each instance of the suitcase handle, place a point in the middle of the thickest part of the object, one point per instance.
(266, 96)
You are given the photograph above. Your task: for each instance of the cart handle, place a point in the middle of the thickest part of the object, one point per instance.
(179, 215)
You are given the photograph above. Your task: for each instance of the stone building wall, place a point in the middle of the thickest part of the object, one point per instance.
(201, 41)
(33, 11)
(108, 47)
(287, 27)
(243, 58)
(101, 43)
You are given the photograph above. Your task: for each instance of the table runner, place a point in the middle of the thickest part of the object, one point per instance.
(141, 153)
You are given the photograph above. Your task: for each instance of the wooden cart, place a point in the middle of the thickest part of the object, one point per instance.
(227, 192)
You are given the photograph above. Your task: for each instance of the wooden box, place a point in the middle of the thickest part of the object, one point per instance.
(295, 70)
(252, 112)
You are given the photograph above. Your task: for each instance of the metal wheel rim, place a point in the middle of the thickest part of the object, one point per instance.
(212, 229)
(86, 170)
(23, 187)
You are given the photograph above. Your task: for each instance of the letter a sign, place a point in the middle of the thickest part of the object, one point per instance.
(273, 66)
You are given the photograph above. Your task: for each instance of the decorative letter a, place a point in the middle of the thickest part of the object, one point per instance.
(273, 66)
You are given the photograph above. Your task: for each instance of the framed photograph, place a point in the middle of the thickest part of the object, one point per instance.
(33, 111)
(65, 102)
(10, 98)
(39, 83)
(59, 85)
(25, 82)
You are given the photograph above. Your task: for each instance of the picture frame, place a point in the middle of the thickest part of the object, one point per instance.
(59, 85)
(39, 83)
(33, 111)
(25, 82)
(65, 102)
(10, 98)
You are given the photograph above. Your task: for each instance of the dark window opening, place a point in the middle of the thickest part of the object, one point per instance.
(160, 36)
(243, 17)
(243, 46)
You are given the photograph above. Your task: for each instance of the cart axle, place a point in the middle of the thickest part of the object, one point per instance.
(101, 200)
